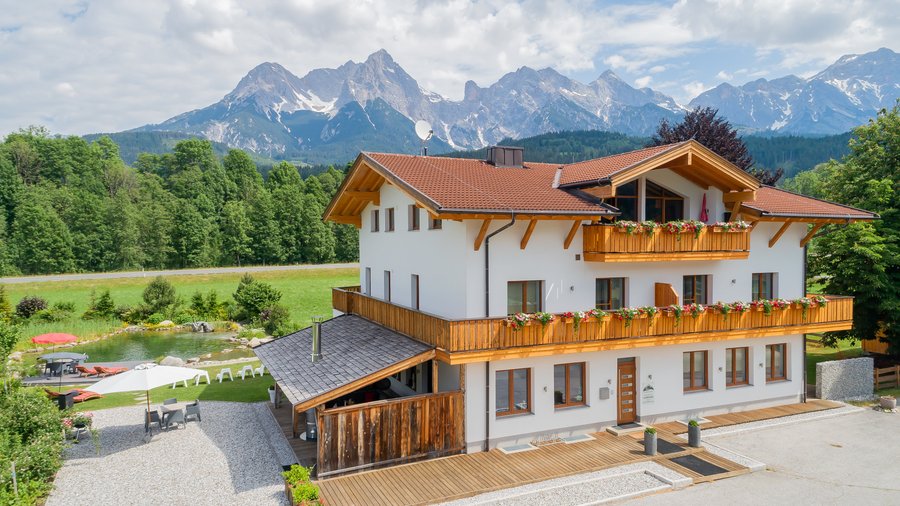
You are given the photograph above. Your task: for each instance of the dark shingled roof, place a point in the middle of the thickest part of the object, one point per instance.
(352, 348)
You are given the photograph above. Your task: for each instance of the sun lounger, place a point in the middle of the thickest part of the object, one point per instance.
(83, 395)
(85, 371)
(109, 371)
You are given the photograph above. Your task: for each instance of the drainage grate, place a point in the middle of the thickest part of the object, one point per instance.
(517, 448)
(577, 439)
(698, 465)
(626, 426)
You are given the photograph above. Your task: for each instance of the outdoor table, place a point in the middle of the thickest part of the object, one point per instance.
(171, 408)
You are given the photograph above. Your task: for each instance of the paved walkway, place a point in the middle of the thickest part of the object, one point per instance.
(174, 272)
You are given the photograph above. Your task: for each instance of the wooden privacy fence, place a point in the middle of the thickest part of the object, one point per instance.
(390, 432)
(606, 243)
(887, 377)
(495, 333)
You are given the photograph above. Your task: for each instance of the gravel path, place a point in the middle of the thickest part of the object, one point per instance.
(234, 456)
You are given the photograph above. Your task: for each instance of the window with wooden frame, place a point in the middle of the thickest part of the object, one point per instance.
(524, 297)
(737, 363)
(376, 221)
(695, 289)
(776, 362)
(414, 217)
(610, 293)
(763, 285)
(414, 291)
(389, 219)
(387, 286)
(661, 204)
(695, 376)
(568, 385)
(513, 392)
(626, 201)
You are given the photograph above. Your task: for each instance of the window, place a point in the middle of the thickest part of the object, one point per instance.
(695, 289)
(368, 281)
(776, 362)
(737, 361)
(610, 293)
(414, 292)
(523, 296)
(375, 221)
(763, 285)
(389, 219)
(513, 391)
(662, 205)
(626, 201)
(434, 223)
(413, 217)
(387, 286)
(694, 363)
(568, 385)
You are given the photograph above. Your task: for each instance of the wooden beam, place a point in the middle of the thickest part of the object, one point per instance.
(811, 233)
(527, 235)
(481, 233)
(736, 211)
(742, 196)
(688, 174)
(571, 236)
(374, 197)
(780, 232)
(349, 220)
(434, 376)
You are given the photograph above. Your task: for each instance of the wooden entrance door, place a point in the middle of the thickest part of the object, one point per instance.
(627, 392)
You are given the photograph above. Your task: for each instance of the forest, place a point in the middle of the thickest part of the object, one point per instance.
(70, 205)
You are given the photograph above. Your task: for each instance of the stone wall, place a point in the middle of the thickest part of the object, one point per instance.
(850, 379)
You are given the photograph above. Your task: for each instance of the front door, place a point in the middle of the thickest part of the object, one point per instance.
(627, 391)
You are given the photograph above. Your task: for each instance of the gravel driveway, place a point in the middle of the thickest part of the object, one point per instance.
(234, 456)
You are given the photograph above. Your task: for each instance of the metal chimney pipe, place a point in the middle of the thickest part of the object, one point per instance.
(316, 338)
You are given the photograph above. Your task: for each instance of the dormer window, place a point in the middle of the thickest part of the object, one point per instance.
(626, 201)
(662, 205)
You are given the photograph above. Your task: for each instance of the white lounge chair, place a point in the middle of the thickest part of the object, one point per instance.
(261, 370)
(201, 374)
(247, 369)
(225, 371)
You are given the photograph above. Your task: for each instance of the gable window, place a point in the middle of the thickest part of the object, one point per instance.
(435, 223)
(389, 219)
(662, 205)
(513, 391)
(695, 289)
(626, 201)
(375, 221)
(414, 292)
(694, 365)
(387, 286)
(413, 217)
(568, 385)
(610, 293)
(523, 296)
(776, 362)
(737, 361)
(763, 285)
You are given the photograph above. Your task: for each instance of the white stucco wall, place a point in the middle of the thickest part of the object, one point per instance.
(670, 402)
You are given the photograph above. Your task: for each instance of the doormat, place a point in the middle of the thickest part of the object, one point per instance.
(698, 465)
(666, 447)
(626, 426)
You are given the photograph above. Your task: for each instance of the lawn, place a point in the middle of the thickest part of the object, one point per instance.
(248, 390)
(305, 293)
(816, 352)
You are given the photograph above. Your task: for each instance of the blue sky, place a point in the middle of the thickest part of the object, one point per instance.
(82, 66)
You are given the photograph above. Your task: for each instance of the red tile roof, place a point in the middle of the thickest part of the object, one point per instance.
(599, 168)
(475, 185)
(771, 201)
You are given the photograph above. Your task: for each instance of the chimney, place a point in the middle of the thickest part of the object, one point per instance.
(316, 338)
(506, 156)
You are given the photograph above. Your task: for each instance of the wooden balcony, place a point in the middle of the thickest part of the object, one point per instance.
(606, 243)
(479, 339)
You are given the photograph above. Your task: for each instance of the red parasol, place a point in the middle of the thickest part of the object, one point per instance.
(54, 338)
(704, 213)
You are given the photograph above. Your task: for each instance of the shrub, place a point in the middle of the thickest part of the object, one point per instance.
(650, 430)
(159, 295)
(275, 319)
(132, 314)
(29, 305)
(101, 308)
(31, 435)
(155, 318)
(253, 297)
(306, 493)
(296, 474)
(51, 315)
(6, 311)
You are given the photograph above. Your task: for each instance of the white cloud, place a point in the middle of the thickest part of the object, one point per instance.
(725, 76)
(643, 82)
(694, 88)
(656, 69)
(65, 89)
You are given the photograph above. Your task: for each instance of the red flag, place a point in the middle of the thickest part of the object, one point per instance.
(704, 212)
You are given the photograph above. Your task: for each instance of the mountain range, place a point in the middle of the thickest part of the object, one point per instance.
(331, 114)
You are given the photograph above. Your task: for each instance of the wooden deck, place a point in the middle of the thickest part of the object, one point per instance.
(305, 451)
(753, 415)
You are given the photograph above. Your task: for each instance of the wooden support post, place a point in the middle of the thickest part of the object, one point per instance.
(295, 423)
(481, 233)
(810, 234)
(736, 211)
(462, 377)
(780, 232)
(527, 235)
(572, 232)
(434, 376)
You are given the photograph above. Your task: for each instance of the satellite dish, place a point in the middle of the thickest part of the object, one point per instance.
(423, 130)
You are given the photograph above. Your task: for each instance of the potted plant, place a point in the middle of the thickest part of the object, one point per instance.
(888, 402)
(650, 441)
(272, 394)
(298, 487)
(694, 434)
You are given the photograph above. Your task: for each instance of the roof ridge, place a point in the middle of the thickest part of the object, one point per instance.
(665, 146)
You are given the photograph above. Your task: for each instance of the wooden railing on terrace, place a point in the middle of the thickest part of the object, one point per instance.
(483, 334)
(390, 432)
(606, 243)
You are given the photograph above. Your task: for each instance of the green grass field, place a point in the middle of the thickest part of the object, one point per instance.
(305, 293)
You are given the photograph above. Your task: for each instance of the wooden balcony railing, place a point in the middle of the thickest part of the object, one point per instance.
(480, 338)
(606, 243)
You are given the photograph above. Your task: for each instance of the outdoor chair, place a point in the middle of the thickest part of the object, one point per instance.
(151, 417)
(192, 409)
(175, 383)
(201, 374)
(261, 370)
(170, 401)
(85, 371)
(175, 417)
(247, 369)
(223, 373)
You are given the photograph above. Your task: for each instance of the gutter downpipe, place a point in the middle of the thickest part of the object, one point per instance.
(805, 387)
(487, 314)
